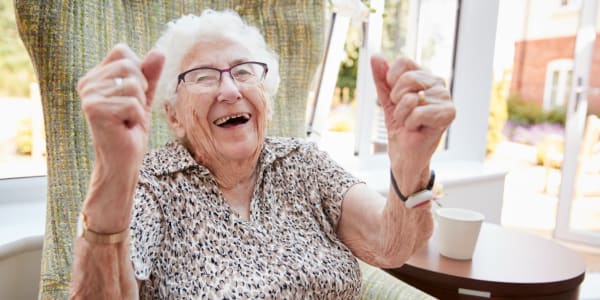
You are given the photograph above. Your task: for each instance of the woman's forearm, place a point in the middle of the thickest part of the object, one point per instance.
(102, 271)
(382, 231)
(403, 231)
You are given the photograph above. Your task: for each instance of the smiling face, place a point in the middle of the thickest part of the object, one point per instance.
(225, 126)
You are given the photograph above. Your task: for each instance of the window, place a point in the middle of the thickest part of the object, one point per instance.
(445, 46)
(22, 146)
(430, 43)
(557, 87)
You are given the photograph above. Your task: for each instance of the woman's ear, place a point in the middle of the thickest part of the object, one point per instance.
(174, 121)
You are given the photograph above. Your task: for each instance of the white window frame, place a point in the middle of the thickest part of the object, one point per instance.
(472, 83)
(571, 4)
(460, 168)
(563, 67)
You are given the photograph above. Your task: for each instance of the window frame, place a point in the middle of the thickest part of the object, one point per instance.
(563, 66)
(472, 79)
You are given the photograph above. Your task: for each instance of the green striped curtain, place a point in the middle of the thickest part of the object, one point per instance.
(66, 38)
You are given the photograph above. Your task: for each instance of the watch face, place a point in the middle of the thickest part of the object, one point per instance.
(418, 198)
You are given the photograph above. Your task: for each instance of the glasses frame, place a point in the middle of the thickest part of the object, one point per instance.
(181, 76)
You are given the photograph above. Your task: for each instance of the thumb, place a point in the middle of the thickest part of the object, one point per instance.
(152, 66)
(380, 67)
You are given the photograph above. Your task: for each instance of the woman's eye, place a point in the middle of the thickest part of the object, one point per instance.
(204, 78)
(201, 79)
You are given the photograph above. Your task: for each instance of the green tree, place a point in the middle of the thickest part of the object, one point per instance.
(16, 70)
(498, 112)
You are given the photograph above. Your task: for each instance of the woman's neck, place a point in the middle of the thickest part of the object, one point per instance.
(237, 181)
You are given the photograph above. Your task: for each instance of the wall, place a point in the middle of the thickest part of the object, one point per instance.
(20, 264)
(530, 63)
(532, 58)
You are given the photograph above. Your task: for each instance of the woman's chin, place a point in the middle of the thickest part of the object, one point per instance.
(240, 150)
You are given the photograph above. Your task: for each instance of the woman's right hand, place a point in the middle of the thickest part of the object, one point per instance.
(116, 98)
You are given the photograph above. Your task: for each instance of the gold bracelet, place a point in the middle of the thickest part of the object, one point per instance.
(99, 238)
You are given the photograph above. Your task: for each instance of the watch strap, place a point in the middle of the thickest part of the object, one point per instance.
(429, 186)
(99, 238)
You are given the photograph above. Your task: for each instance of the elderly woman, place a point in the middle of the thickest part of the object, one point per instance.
(223, 211)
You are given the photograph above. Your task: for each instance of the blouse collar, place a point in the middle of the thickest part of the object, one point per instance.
(174, 157)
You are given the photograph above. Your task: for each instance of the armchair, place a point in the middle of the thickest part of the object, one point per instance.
(66, 38)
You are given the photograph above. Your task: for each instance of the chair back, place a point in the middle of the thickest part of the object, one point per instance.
(66, 38)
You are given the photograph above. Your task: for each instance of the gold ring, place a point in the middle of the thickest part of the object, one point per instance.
(421, 95)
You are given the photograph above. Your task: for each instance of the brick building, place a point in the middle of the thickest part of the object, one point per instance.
(543, 58)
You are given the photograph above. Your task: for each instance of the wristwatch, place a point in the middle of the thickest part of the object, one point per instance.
(99, 238)
(417, 198)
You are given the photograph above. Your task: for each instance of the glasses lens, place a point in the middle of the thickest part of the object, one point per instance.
(207, 79)
(203, 77)
(248, 73)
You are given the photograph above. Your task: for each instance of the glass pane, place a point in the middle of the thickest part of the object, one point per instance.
(585, 212)
(395, 23)
(432, 47)
(436, 36)
(22, 146)
(568, 82)
(554, 88)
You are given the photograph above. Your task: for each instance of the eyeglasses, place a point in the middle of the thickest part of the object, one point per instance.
(207, 79)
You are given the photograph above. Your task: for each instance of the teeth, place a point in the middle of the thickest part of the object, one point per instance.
(221, 121)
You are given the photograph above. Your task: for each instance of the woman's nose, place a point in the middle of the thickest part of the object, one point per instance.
(228, 89)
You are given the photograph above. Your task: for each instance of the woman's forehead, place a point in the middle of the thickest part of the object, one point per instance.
(217, 53)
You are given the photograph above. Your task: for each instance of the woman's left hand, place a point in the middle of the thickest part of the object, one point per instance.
(414, 125)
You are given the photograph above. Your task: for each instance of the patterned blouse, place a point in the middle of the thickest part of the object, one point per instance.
(187, 242)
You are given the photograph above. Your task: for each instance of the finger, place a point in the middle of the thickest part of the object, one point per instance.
(436, 94)
(399, 67)
(415, 81)
(404, 108)
(437, 116)
(121, 51)
(379, 68)
(110, 87)
(116, 110)
(132, 87)
(121, 68)
(151, 68)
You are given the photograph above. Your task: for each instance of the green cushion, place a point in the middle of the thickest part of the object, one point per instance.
(378, 284)
(66, 38)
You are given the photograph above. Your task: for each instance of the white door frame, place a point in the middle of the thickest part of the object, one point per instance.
(575, 125)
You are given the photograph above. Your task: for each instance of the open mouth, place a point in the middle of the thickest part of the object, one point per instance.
(232, 120)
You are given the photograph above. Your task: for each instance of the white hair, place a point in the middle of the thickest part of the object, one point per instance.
(184, 33)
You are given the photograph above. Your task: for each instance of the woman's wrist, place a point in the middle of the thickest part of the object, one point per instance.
(107, 213)
(409, 184)
(109, 203)
(402, 196)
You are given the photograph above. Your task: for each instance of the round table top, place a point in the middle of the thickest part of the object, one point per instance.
(503, 258)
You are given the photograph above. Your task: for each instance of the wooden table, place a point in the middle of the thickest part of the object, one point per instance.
(507, 264)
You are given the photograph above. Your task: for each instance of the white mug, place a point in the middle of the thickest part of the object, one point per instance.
(458, 230)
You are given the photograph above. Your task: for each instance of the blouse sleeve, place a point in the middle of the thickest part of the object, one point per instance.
(332, 180)
(146, 229)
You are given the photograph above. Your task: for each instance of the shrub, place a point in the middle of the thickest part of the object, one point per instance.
(529, 113)
(24, 139)
(498, 114)
(549, 153)
(556, 115)
(523, 112)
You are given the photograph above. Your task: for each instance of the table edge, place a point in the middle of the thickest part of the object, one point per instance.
(408, 272)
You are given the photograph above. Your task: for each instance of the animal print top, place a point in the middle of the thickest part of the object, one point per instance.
(188, 243)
